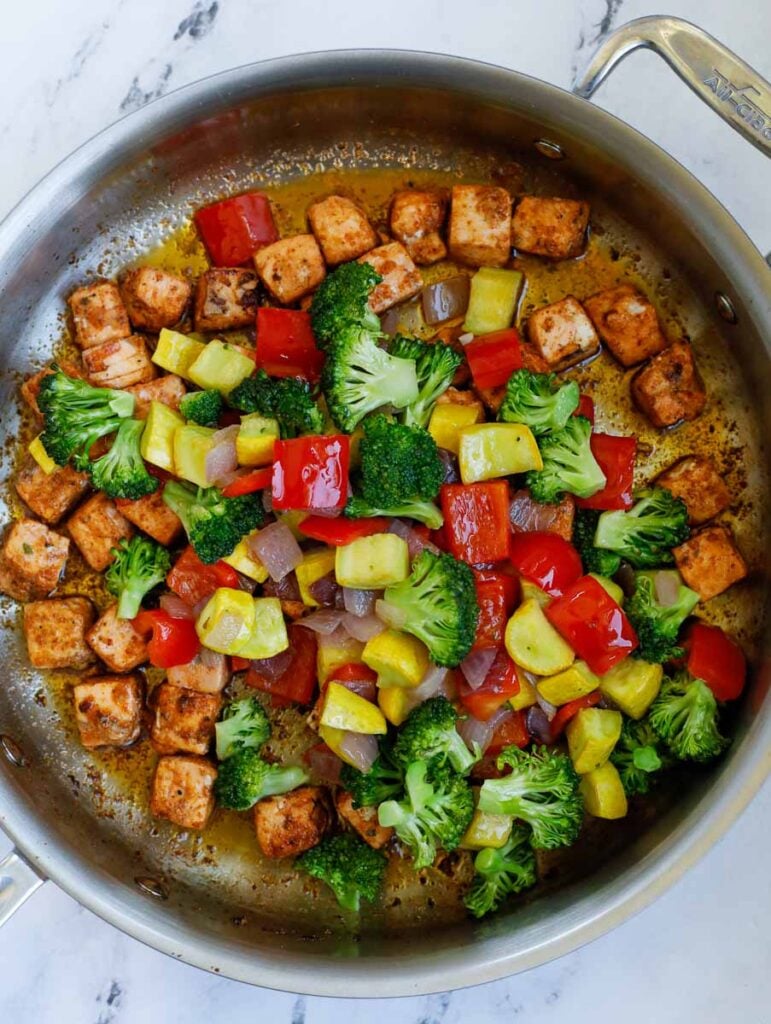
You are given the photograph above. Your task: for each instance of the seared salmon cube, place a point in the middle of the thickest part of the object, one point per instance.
(98, 314)
(55, 631)
(116, 642)
(50, 495)
(152, 516)
(416, 219)
(154, 298)
(182, 719)
(36, 554)
(669, 389)
(207, 673)
(341, 228)
(528, 515)
(183, 791)
(480, 225)
(118, 364)
(709, 561)
(14, 585)
(549, 227)
(225, 299)
(362, 820)
(291, 267)
(563, 333)
(287, 825)
(401, 278)
(97, 527)
(627, 323)
(696, 480)
(108, 710)
(168, 390)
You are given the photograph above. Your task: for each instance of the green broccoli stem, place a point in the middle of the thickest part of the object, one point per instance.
(138, 565)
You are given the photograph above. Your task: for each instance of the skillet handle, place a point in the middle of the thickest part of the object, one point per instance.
(18, 881)
(733, 89)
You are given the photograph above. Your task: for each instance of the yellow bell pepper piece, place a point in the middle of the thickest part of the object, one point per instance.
(255, 440)
(592, 734)
(491, 450)
(313, 567)
(243, 561)
(527, 695)
(492, 300)
(177, 352)
(632, 685)
(395, 703)
(449, 418)
(227, 620)
(530, 592)
(534, 643)
(574, 682)
(398, 658)
(268, 633)
(191, 446)
(40, 455)
(603, 792)
(332, 656)
(487, 831)
(220, 367)
(344, 709)
(610, 587)
(157, 442)
(372, 563)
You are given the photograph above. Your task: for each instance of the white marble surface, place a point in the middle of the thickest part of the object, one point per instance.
(702, 952)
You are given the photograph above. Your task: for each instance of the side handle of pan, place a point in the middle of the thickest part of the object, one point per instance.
(18, 881)
(734, 90)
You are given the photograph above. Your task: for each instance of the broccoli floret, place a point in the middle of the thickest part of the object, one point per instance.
(384, 780)
(352, 870)
(604, 563)
(76, 415)
(685, 716)
(122, 473)
(401, 473)
(139, 565)
(637, 756)
(568, 464)
(244, 778)
(646, 533)
(435, 365)
(288, 400)
(438, 604)
(202, 407)
(657, 625)
(214, 524)
(429, 734)
(538, 401)
(340, 305)
(542, 790)
(434, 814)
(501, 873)
(244, 724)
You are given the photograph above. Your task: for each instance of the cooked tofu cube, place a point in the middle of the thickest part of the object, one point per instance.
(287, 825)
(627, 323)
(36, 554)
(182, 719)
(696, 480)
(98, 314)
(183, 791)
(401, 278)
(108, 710)
(480, 225)
(417, 218)
(154, 298)
(168, 390)
(225, 298)
(341, 229)
(528, 515)
(709, 561)
(97, 527)
(152, 516)
(362, 820)
(116, 642)
(30, 389)
(563, 333)
(55, 631)
(669, 389)
(207, 673)
(291, 267)
(549, 227)
(118, 364)
(50, 495)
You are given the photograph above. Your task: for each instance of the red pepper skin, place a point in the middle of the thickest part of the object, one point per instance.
(585, 408)
(355, 671)
(501, 683)
(286, 346)
(571, 709)
(616, 457)
(512, 732)
(173, 641)
(234, 229)
(339, 531)
(249, 483)
(493, 600)
(239, 664)
(597, 629)
(492, 358)
(476, 521)
(297, 683)
(507, 578)
(717, 659)
(191, 580)
(311, 472)
(547, 560)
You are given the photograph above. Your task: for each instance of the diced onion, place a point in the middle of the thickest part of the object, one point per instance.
(326, 591)
(211, 659)
(415, 543)
(666, 584)
(325, 621)
(429, 685)
(366, 688)
(464, 339)
(359, 602)
(324, 764)
(475, 666)
(539, 725)
(445, 300)
(273, 668)
(394, 618)
(362, 627)
(176, 607)
(337, 638)
(548, 709)
(477, 733)
(277, 549)
(360, 749)
(221, 459)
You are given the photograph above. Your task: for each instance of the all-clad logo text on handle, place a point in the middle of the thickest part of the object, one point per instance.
(739, 97)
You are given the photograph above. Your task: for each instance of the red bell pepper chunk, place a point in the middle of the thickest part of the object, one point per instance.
(191, 580)
(357, 677)
(311, 472)
(616, 457)
(286, 346)
(500, 683)
(585, 408)
(249, 483)
(494, 599)
(297, 683)
(492, 358)
(239, 664)
(172, 641)
(713, 656)
(339, 531)
(597, 629)
(476, 521)
(234, 229)
(571, 709)
(511, 732)
(547, 560)
(506, 578)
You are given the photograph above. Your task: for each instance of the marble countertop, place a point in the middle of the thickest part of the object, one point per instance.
(702, 952)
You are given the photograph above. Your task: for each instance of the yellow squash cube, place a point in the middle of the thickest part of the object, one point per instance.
(177, 352)
(372, 563)
(334, 740)
(449, 418)
(603, 792)
(332, 656)
(255, 440)
(292, 518)
(344, 709)
(243, 561)
(227, 620)
(532, 592)
(157, 441)
(220, 367)
(632, 685)
(268, 635)
(398, 658)
(40, 455)
(574, 682)
(527, 695)
(315, 565)
(592, 734)
(534, 643)
(395, 703)
(492, 300)
(191, 446)
(491, 450)
(487, 831)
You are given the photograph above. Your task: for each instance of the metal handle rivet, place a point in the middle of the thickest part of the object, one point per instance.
(725, 308)
(551, 150)
(12, 751)
(152, 887)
